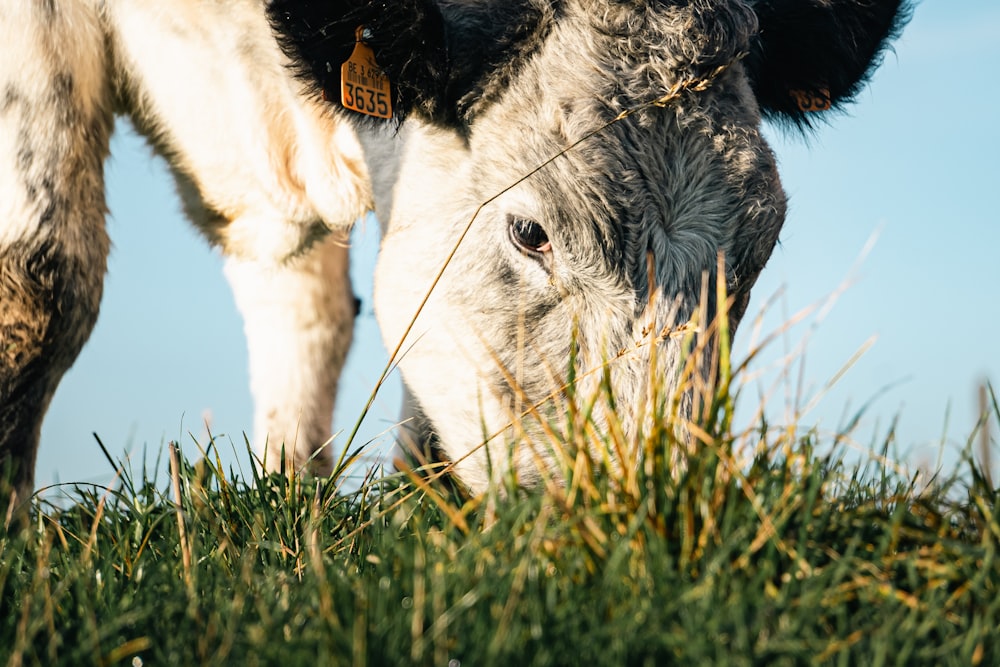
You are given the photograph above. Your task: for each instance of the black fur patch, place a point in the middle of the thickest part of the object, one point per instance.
(25, 151)
(49, 7)
(823, 48)
(10, 97)
(487, 44)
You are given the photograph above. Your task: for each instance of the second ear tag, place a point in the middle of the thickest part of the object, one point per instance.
(363, 86)
(812, 102)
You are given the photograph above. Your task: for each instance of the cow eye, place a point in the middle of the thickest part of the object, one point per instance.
(528, 235)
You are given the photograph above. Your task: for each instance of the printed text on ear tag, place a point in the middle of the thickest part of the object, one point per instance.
(363, 86)
(815, 101)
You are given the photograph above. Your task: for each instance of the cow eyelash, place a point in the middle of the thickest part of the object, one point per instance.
(528, 236)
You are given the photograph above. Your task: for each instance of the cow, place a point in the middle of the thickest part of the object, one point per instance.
(583, 169)
(567, 175)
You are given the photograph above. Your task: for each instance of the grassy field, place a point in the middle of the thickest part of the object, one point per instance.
(759, 547)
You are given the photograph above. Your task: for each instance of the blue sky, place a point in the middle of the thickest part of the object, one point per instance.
(910, 173)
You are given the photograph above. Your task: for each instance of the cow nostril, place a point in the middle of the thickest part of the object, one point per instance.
(528, 235)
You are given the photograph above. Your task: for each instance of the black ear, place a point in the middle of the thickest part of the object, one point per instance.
(814, 55)
(407, 38)
(444, 59)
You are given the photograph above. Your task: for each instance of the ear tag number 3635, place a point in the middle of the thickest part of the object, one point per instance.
(363, 86)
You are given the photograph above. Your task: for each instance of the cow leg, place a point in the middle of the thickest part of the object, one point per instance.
(299, 321)
(55, 124)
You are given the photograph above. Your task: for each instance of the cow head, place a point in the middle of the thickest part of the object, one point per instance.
(607, 153)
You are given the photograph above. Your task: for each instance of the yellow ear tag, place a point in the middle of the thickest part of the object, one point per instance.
(363, 86)
(809, 102)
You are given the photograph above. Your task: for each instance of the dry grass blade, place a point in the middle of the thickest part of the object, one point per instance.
(185, 545)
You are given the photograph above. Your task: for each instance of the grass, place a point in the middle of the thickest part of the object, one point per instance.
(756, 547)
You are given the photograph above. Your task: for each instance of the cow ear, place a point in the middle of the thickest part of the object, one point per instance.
(815, 55)
(406, 39)
(442, 61)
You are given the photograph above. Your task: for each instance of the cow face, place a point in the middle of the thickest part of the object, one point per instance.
(569, 177)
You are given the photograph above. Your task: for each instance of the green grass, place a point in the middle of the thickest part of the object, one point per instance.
(686, 556)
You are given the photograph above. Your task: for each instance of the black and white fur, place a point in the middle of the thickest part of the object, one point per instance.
(266, 173)
(274, 175)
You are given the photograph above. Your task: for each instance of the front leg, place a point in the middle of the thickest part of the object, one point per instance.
(299, 320)
(55, 125)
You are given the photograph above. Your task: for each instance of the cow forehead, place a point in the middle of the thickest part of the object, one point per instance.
(600, 58)
(599, 166)
(635, 50)
(647, 46)
(692, 29)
